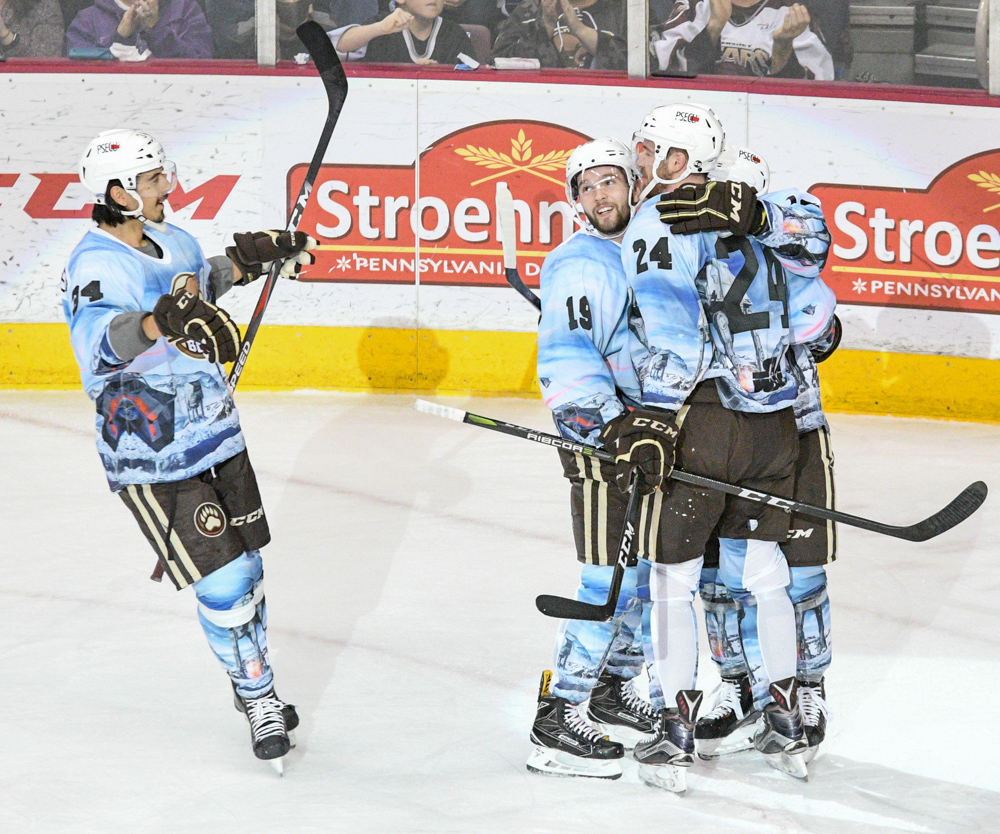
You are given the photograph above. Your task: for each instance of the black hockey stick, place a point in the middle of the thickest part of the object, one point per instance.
(965, 503)
(573, 609)
(335, 82)
(508, 237)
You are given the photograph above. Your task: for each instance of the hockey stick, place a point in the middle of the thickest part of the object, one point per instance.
(574, 609)
(508, 237)
(335, 82)
(965, 503)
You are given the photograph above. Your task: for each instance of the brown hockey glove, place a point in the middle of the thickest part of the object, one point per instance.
(715, 207)
(254, 253)
(645, 439)
(196, 328)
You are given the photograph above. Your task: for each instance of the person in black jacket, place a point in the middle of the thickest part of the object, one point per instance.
(414, 32)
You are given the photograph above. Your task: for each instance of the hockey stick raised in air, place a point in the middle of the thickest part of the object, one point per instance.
(965, 504)
(508, 237)
(335, 81)
(574, 609)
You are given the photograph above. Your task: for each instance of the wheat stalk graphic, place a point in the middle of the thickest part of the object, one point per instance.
(991, 182)
(520, 158)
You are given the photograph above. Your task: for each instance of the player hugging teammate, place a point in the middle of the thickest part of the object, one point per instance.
(694, 348)
(139, 297)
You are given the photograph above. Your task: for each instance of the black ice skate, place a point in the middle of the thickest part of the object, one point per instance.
(664, 759)
(287, 710)
(815, 712)
(618, 710)
(268, 732)
(730, 725)
(782, 737)
(566, 745)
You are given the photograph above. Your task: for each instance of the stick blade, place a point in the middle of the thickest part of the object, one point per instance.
(965, 504)
(439, 410)
(324, 56)
(571, 609)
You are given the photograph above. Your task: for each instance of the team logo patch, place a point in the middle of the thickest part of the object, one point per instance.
(210, 520)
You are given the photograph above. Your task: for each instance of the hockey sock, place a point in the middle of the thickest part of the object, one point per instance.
(670, 631)
(723, 618)
(626, 658)
(582, 647)
(812, 622)
(233, 616)
(760, 568)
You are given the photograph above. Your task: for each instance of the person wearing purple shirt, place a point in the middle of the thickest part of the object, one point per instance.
(139, 29)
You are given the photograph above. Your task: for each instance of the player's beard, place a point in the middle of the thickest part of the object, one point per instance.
(610, 224)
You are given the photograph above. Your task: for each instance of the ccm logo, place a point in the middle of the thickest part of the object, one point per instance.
(735, 198)
(249, 518)
(655, 425)
(800, 534)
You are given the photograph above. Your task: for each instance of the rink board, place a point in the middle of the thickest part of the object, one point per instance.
(408, 291)
(502, 363)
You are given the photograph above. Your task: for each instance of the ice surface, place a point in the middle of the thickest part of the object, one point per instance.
(407, 552)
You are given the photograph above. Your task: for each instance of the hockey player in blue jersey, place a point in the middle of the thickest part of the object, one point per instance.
(587, 380)
(139, 297)
(729, 725)
(710, 331)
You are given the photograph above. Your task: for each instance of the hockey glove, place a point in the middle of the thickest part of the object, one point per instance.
(716, 207)
(645, 439)
(254, 253)
(196, 328)
(824, 348)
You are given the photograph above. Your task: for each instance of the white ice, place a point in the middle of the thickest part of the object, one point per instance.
(407, 552)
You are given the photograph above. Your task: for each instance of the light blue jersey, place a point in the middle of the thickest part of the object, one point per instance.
(669, 342)
(162, 416)
(757, 298)
(583, 362)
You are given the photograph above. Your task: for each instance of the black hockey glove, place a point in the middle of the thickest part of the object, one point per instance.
(823, 349)
(645, 439)
(196, 328)
(716, 207)
(254, 253)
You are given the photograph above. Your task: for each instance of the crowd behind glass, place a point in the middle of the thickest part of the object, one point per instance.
(892, 41)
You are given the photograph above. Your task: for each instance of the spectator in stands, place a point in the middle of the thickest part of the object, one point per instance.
(477, 12)
(414, 32)
(234, 25)
(581, 34)
(30, 29)
(138, 29)
(742, 37)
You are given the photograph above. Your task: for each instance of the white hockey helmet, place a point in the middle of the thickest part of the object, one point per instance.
(122, 155)
(594, 154)
(693, 129)
(743, 165)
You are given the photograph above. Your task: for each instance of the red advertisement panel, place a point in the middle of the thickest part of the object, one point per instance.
(371, 226)
(934, 249)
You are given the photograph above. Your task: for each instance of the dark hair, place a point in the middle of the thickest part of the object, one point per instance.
(110, 214)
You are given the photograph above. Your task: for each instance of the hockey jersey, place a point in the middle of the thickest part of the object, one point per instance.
(162, 416)
(584, 367)
(745, 44)
(747, 314)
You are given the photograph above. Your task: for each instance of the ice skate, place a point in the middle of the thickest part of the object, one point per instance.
(664, 759)
(618, 710)
(782, 738)
(729, 727)
(287, 710)
(566, 745)
(268, 732)
(815, 712)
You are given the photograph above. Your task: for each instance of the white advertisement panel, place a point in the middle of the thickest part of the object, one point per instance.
(403, 207)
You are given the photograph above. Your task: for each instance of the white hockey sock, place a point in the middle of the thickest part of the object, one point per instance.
(673, 628)
(776, 632)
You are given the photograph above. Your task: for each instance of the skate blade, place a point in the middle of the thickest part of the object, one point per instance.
(626, 736)
(810, 753)
(794, 763)
(668, 777)
(278, 765)
(738, 741)
(557, 763)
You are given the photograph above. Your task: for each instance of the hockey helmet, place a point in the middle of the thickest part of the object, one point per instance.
(743, 165)
(693, 129)
(594, 154)
(122, 155)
